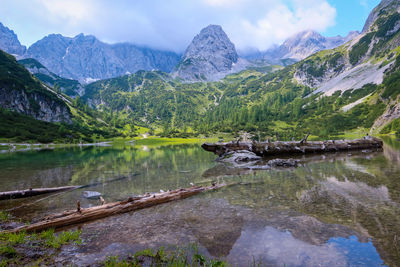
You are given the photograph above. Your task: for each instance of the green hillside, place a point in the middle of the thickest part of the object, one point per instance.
(275, 105)
(66, 86)
(22, 116)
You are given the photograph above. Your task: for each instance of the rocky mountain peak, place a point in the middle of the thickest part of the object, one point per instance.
(210, 56)
(210, 40)
(85, 58)
(9, 42)
(384, 5)
(302, 45)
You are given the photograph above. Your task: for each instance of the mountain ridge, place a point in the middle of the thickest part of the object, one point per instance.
(9, 42)
(86, 59)
(300, 46)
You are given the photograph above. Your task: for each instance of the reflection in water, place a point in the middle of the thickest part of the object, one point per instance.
(279, 248)
(333, 210)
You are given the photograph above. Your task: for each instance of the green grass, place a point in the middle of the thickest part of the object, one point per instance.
(188, 256)
(56, 241)
(4, 216)
(13, 246)
(156, 141)
(354, 134)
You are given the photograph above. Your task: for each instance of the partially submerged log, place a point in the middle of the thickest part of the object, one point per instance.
(81, 215)
(33, 192)
(264, 149)
(39, 191)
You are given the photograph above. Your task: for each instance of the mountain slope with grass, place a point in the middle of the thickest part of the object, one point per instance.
(20, 92)
(67, 86)
(31, 110)
(351, 88)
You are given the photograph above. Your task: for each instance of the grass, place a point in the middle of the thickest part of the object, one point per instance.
(56, 241)
(188, 256)
(15, 247)
(153, 141)
(4, 216)
(354, 134)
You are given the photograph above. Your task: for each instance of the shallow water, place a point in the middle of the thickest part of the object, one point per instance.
(333, 210)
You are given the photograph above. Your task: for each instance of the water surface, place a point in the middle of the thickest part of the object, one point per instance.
(333, 210)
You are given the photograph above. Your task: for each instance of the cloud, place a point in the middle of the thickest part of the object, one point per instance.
(282, 22)
(74, 11)
(168, 24)
(223, 3)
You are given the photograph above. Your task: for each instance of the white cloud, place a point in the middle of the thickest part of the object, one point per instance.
(282, 22)
(223, 3)
(167, 24)
(73, 11)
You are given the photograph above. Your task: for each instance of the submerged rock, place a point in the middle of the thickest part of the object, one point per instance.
(240, 156)
(91, 194)
(283, 163)
(249, 160)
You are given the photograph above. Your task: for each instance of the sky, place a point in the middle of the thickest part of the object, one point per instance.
(172, 24)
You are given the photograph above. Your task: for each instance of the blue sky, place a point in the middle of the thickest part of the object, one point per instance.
(172, 24)
(351, 14)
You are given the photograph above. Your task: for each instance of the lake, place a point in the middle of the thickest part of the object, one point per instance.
(337, 209)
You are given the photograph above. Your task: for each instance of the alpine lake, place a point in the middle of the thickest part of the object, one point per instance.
(336, 209)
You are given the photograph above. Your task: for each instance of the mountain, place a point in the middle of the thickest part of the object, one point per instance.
(85, 58)
(307, 43)
(355, 85)
(31, 110)
(20, 92)
(210, 56)
(9, 42)
(384, 6)
(67, 86)
(300, 46)
(364, 60)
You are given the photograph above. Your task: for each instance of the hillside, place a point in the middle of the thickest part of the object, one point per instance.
(329, 93)
(67, 86)
(30, 110)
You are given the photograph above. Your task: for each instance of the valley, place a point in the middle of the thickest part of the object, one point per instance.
(124, 121)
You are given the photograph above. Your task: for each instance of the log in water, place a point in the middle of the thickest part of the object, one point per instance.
(265, 149)
(81, 215)
(33, 192)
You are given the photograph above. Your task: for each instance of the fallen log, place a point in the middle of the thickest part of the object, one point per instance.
(81, 215)
(33, 192)
(264, 149)
(39, 191)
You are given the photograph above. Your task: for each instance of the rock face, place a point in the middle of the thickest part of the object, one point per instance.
(383, 6)
(86, 59)
(350, 67)
(21, 93)
(36, 105)
(210, 56)
(9, 42)
(307, 43)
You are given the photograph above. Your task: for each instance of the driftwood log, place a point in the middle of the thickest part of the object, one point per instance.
(33, 192)
(265, 149)
(81, 215)
(39, 191)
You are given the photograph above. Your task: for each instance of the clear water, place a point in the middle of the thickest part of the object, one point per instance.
(334, 210)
